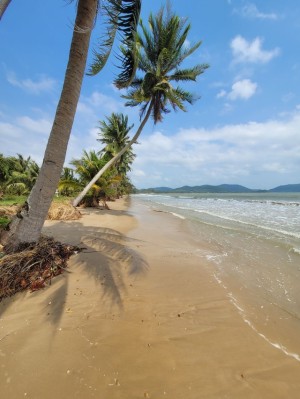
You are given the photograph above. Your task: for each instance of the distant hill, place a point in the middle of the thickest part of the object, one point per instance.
(162, 189)
(288, 188)
(222, 188)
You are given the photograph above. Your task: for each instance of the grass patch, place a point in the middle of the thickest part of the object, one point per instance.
(4, 222)
(20, 199)
(13, 200)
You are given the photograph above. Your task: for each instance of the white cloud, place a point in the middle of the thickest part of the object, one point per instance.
(98, 99)
(35, 125)
(42, 84)
(259, 155)
(246, 51)
(251, 11)
(138, 173)
(221, 94)
(243, 89)
(26, 136)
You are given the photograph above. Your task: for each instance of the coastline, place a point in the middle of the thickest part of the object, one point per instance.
(138, 315)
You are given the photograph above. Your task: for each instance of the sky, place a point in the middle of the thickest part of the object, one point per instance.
(244, 129)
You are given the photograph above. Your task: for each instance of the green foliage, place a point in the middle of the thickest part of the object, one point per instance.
(8, 200)
(162, 48)
(106, 187)
(114, 133)
(68, 184)
(119, 16)
(17, 174)
(4, 222)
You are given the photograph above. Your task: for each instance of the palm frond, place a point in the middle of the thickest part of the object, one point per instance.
(106, 41)
(119, 16)
(189, 73)
(129, 13)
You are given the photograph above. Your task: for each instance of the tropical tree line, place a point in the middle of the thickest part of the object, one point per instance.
(114, 183)
(18, 174)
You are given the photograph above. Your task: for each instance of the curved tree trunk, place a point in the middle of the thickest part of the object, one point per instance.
(27, 227)
(114, 159)
(3, 6)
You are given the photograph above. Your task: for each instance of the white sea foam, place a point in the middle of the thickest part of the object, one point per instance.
(276, 345)
(216, 258)
(296, 250)
(177, 215)
(271, 214)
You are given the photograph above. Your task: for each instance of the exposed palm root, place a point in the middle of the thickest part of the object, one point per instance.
(33, 265)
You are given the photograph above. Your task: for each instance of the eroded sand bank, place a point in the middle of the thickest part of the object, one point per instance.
(139, 315)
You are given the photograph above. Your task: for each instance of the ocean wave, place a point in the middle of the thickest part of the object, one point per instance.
(177, 215)
(276, 345)
(263, 227)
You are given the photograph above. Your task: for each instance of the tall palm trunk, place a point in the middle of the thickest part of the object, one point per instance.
(3, 6)
(115, 158)
(27, 228)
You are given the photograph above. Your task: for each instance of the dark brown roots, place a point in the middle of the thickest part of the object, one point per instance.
(33, 265)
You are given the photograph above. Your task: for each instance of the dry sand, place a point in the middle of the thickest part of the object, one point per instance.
(139, 315)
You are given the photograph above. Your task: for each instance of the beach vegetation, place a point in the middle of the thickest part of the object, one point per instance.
(17, 175)
(119, 16)
(104, 189)
(114, 134)
(161, 48)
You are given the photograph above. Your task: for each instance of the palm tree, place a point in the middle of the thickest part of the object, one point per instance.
(122, 16)
(68, 183)
(3, 6)
(17, 174)
(86, 167)
(23, 176)
(114, 134)
(161, 50)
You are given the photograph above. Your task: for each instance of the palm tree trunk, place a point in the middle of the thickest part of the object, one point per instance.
(3, 6)
(114, 159)
(27, 228)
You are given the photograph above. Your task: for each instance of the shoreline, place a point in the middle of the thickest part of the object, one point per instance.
(139, 315)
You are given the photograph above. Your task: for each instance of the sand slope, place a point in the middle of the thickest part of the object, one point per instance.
(138, 316)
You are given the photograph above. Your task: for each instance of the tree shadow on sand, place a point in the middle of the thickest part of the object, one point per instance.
(105, 258)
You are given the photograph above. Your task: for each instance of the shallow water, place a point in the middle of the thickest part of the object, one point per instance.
(252, 243)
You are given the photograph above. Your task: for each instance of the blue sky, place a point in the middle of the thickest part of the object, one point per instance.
(245, 129)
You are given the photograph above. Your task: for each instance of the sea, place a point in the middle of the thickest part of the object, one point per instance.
(251, 244)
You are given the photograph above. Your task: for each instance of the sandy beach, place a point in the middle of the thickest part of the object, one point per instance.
(138, 315)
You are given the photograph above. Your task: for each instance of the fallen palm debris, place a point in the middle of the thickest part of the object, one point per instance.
(57, 211)
(63, 211)
(32, 266)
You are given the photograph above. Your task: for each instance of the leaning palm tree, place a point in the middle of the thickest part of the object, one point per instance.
(3, 6)
(122, 16)
(161, 50)
(85, 168)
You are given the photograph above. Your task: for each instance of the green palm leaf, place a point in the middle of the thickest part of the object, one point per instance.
(162, 49)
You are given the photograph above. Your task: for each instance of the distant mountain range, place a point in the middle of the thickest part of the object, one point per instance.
(223, 188)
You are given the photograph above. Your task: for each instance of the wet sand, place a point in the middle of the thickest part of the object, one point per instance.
(139, 315)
